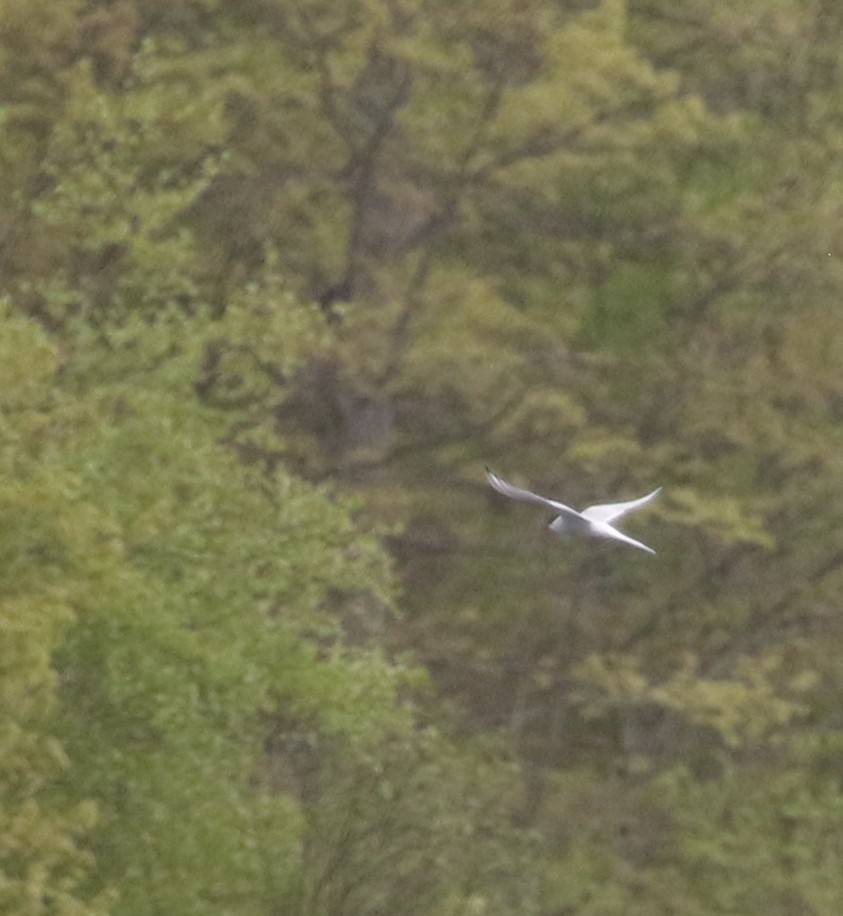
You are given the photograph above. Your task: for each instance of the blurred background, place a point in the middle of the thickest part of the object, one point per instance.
(278, 279)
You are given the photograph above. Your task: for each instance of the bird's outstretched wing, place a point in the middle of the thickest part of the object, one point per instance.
(604, 530)
(527, 496)
(610, 512)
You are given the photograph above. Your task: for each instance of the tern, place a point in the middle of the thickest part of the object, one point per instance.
(593, 522)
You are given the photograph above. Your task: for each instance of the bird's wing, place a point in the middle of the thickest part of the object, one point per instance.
(609, 512)
(526, 496)
(604, 530)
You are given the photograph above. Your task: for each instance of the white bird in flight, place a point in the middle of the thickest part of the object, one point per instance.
(593, 522)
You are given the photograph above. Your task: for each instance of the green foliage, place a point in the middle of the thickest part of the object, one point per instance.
(384, 828)
(107, 230)
(192, 632)
(199, 590)
(743, 710)
(42, 859)
(373, 246)
(774, 817)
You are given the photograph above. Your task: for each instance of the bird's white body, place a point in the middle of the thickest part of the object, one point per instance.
(593, 522)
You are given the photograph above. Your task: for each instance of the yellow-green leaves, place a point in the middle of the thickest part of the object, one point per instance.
(744, 710)
(42, 864)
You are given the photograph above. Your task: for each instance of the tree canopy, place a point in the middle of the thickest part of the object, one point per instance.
(278, 280)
